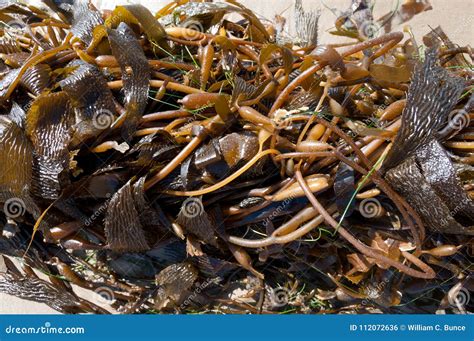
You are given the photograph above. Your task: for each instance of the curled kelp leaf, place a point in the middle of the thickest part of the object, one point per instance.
(195, 220)
(48, 125)
(92, 100)
(36, 78)
(438, 38)
(135, 75)
(441, 175)
(130, 223)
(201, 15)
(208, 155)
(134, 15)
(404, 13)
(267, 52)
(85, 19)
(123, 229)
(155, 33)
(16, 161)
(407, 179)
(432, 95)
(220, 156)
(189, 173)
(154, 149)
(173, 283)
(237, 148)
(256, 30)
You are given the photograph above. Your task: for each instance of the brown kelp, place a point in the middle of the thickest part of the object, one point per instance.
(202, 159)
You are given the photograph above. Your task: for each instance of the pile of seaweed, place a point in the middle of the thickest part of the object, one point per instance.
(202, 159)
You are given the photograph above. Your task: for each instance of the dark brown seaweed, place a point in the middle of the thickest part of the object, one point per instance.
(135, 75)
(92, 100)
(48, 125)
(85, 18)
(186, 161)
(432, 95)
(125, 219)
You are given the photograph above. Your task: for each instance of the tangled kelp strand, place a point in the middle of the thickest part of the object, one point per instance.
(186, 160)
